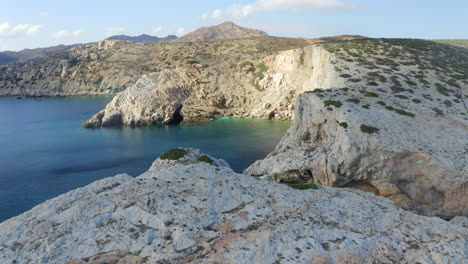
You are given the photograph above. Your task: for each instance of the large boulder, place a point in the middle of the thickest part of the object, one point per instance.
(190, 209)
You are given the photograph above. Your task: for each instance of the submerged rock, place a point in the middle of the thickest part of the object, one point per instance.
(188, 211)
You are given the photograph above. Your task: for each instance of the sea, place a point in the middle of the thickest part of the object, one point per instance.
(44, 151)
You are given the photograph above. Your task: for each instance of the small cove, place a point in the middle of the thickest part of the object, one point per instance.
(45, 152)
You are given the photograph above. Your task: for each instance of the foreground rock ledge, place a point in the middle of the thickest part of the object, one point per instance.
(188, 211)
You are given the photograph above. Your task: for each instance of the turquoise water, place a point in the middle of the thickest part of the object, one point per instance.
(44, 151)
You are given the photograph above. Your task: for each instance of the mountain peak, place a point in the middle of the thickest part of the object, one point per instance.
(226, 30)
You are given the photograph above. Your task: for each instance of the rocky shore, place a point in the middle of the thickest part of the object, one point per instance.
(195, 209)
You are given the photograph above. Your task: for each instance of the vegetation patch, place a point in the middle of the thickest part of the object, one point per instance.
(403, 112)
(369, 129)
(416, 101)
(382, 103)
(344, 124)
(173, 154)
(371, 94)
(345, 75)
(366, 106)
(353, 100)
(333, 102)
(437, 111)
(205, 158)
(306, 186)
(402, 96)
(441, 89)
(447, 103)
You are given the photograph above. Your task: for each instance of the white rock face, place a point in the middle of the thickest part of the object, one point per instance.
(195, 212)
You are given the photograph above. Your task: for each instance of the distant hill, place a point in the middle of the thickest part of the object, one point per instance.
(226, 30)
(144, 38)
(32, 54)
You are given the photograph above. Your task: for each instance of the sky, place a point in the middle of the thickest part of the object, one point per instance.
(33, 24)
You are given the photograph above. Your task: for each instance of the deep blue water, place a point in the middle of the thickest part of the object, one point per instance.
(45, 152)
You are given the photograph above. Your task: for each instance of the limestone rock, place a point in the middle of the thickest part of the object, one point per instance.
(419, 162)
(196, 212)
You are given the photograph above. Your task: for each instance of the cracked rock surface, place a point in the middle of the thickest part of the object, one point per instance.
(188, 211)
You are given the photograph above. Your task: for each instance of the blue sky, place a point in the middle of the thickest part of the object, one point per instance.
(32, 24)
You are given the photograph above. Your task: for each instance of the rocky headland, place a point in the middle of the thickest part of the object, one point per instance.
(385, 116)
(192, 208)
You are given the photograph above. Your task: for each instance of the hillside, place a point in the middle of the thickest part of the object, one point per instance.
(111, 66)
(226, 30)
(143, 38)
(32, 54)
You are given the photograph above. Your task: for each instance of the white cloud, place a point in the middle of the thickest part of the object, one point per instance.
(44, 14)
(216, 13)
(241, 11)
(204, 16)
(22, 30)
(115, 31)
(62, 34)
(157, 30)
(180, 31)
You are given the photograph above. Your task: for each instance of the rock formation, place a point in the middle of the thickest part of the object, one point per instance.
(192, 211)
(400, 134)
(253, 86)
(226, 30)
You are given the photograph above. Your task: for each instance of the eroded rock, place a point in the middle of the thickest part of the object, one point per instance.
(188, 211)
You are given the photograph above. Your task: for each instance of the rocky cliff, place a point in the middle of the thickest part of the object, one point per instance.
(195, 209)
(401, 133)
(244, 85)
(110, 66)
(226, 30)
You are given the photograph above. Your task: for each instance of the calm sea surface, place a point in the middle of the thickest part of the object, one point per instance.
(45, 152)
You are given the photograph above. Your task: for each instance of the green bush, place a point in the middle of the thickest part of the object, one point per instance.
(403, 112)
(389, 108)
(306, 186)
(373, 84)
(205, 158)
(417, 101)
(345, 75)
(173, 154)
(402, 96)
(355, 80)
(344, 124)
(193, 61)
(333, 102)
(441, 89)
(371, 94)
(353, 100)
(382, 103)
(369, 129)
(447, 103)
(438, 111)
(366, 106)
